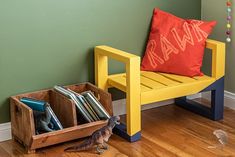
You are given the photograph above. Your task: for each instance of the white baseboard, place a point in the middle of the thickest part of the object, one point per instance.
(5, 131)
(119, 106)
(206, 95)
(194, 96)
(229, 98)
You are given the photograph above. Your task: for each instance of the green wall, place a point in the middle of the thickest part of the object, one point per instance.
(48, 42)
(216, 10)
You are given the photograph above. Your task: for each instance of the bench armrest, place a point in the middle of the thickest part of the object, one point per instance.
(218, 57)
(115, 53)
(132, 64)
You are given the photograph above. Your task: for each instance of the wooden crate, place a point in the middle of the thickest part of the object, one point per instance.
(22, 120)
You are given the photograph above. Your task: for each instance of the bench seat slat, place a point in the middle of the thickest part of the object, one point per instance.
(119, 81)
(161, 86)
(178, 78)
(151, 83)
(172, 92)
(159, 78)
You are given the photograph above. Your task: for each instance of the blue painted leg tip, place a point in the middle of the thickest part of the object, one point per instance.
(120, 130)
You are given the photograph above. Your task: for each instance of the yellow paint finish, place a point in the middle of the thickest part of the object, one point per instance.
(117, 81)
(156, 91)
(178, 78)
(101, 70)
(143, 87)
(158, 78)
(151, 84)
(132, 88)
(171, 92)
(204, 77)
(218, 58)
(133, 107)
(115, 53)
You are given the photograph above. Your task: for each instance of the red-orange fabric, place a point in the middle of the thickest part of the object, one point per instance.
(176, 45)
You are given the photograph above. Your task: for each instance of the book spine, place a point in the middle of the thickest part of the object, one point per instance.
(81, 109)
(63, 91)
(97, 106)
(54, 118)
(93, 111)
(88, 107)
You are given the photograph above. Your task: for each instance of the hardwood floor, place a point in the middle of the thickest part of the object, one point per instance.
(166, 132)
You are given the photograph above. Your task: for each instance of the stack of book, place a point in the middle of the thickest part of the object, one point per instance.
(87, 104)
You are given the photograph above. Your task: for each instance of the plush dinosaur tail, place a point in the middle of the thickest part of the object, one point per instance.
(83, 146)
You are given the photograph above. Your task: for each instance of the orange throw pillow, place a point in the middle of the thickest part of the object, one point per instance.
(176, 45)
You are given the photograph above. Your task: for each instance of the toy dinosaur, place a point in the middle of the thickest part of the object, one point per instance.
(99, 138)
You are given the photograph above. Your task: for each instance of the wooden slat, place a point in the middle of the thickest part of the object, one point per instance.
(202, 78)
(159, 78)
(166, 86)
(65, 113)
(22, 121)
(145, 88)
(67, 134)
(178, 78)
(118, 82)
(151, 83)
(171, 92)
(145, 83)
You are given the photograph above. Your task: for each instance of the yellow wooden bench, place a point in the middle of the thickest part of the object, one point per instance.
(142, 87)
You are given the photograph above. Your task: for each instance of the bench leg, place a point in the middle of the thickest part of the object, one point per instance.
(131, 131)
(215, 112)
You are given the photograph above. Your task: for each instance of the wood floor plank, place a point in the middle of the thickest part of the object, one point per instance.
(3, 152)
(167, 131)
